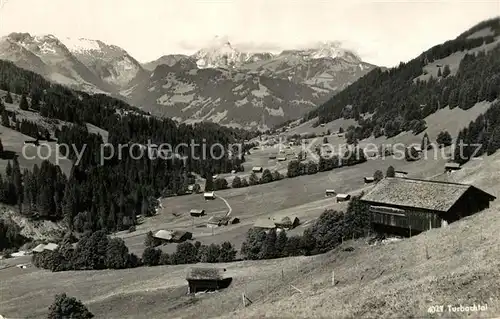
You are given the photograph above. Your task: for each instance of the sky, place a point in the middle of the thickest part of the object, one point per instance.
(381, 32)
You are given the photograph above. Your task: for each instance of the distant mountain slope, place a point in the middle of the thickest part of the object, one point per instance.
(49, 57)
(110, 63)
(459, 72)
(218, 83)
(169, 60)
(221, 96)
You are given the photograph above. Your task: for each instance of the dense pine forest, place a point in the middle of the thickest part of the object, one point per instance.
(105, 197)
(399, 103)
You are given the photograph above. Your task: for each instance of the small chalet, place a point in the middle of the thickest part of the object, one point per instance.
(449, 167)
(410, 206)
(369, 179)
(257, 169)
(330, 192)
(343, 197)
(209, 195)
(206, 279)
(400, 174)
(287, 222)
(175, 236)
(281, 159)
(197, 212)
(216, 221)
(271, 157)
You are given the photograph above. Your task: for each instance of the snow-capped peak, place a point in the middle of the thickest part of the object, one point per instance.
(322, 50)
(81, 45)
(218, 53)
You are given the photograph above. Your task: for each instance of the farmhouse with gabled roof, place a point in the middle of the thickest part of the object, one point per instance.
(410, 206)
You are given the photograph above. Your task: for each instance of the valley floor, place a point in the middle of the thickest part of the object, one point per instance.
(396, 280)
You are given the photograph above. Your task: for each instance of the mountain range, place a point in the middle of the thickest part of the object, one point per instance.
(218, 83)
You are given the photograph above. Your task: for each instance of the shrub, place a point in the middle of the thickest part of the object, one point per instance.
(378, 175)
(151, 256)
(65, 307)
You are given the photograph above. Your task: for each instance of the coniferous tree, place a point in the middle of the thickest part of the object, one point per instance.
(426, 142)
(8, 170)
(281, 242)
(5, 119)
(494, 141)
(439, 74)
(390, 172)
(444, 139)
(269, 246)
(17, 182)
(209, 183)
(8, 98)
(446, 71)
(24, 105)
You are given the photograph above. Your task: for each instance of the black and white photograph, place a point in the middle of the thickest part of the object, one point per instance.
(182, 159)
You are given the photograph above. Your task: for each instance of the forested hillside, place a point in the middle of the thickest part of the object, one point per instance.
(398, 100)
(106, 196)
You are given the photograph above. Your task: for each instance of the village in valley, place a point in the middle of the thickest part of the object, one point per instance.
(380, 202)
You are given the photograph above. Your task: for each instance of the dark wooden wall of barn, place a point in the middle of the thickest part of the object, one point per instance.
(196, 285)
(417, 219)
(471, 202)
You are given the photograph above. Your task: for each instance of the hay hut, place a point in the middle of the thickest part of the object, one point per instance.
(206, 279)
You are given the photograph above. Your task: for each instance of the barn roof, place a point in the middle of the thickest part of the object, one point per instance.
(265, 223)
(204, 273)
(51, 246)
(425, 194)
(214, 219)
(164, 234)
(196, 211)
(452, 165)
(39, 248)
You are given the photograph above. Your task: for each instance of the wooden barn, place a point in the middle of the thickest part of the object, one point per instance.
(257, 169)
(449, 167)
(330, 192)
(206, 279)
(169, 236)
(343, 197)
(410, 206)
(209, 195)
(197, 212)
